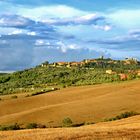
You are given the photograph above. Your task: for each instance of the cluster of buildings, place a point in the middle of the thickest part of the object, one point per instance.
(65, 64)
(74, 63)
(127, 61)
(124, 76)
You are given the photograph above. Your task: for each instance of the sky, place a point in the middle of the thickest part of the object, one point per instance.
(34, 31)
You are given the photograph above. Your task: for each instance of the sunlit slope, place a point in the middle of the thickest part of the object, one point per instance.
(124, 129)
(81, 104)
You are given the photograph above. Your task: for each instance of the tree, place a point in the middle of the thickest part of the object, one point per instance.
(67, 122)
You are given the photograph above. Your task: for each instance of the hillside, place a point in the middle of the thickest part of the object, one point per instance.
(125, 129)
(82, 104)
(66, 74)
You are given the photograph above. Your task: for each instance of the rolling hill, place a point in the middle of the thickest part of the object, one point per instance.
(82, 104)
(126, 129)
(66, 74)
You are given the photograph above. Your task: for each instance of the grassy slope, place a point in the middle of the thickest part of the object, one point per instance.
(125, 129)
(81, 104)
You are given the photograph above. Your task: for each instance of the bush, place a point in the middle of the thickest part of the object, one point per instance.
(43, 91)
(123, 115)
(10, 127)
(127, 114)
(63, 86)
(41, 126)
(89, 123)
(31, 126)
(27, 95)
(67, 122)
(78, 124)
(17, 127)
(14, 97)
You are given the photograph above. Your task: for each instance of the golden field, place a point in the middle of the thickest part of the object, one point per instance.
(82, 104)
(126, 129)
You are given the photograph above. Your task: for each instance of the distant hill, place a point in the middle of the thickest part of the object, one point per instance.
(64, 74)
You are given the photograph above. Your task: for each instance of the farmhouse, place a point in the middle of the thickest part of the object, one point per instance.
(110, 72)
(123, 76)
(129, 61)
(77, 63)
(60, 64)
(138, 72)
(71, 64)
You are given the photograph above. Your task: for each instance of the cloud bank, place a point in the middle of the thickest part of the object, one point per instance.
(33, 33)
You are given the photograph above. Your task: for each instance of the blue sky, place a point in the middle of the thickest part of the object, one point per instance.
(34, 31)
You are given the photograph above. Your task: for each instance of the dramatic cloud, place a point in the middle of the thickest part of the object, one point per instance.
(20, 22)
(15, 55)
(56, 11)
(135, 33)
(69, 55)
(35, 31)
(14, 21)
(128, 42)
(84, 20)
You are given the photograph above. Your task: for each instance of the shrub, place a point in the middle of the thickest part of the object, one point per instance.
(31, 126)
(123, 115)
(43, 91)
(27, 95)
(14, 97)
(3, 128)
(78, 124)
(14, 127)
(126, 115)
(17, 127)
(89, 123)
(67, 122)
(37, 93)
(10, 127)
(41, 126)
(63, 86)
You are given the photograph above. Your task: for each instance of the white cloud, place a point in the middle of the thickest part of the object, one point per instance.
(135, 33)
(41, 42)
(31, 33)
(87, 17)
(56, 11)
(8, 20)
(125, 18)
(84, 20)
(16, 31)
(65, 47)
(6, 31)
(105, 27)
(21, 31)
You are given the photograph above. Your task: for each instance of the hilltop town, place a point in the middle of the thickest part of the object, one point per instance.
(102, 63)
(65, 74)
(99, 61)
